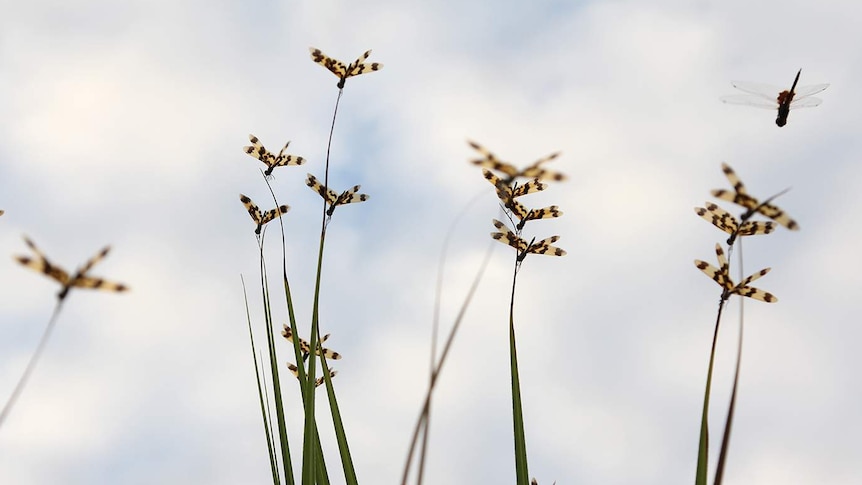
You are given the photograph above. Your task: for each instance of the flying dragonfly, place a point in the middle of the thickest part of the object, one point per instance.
(262, 217)
(258, 151)
(533, 171)
(721, 276)
(773, 97)
(349, 196)
(338, 68)
(506, 236)
(739, 195)
(80, 279)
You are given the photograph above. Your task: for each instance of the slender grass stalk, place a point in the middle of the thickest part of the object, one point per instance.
(273, 362)
(423, 414)
(19, 387)
(703, 445)
(310, 430)
(521, 473)
(273, 462)
(435, 328)
(725, 439)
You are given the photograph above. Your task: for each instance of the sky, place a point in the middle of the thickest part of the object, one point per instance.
(123, 123)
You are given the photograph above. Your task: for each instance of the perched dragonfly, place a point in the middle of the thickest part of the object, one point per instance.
(79, 279)
(773, 97)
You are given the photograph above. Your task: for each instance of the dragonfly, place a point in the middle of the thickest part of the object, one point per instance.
(305, 347)
(338, 68)
(506, 236)
(349, 196)
(773, 97)
(740, 196)
(261, 217)
(80, 279)
(725, 221)
(533, 171)
(319, 381)
(721, 276)
(271, 160)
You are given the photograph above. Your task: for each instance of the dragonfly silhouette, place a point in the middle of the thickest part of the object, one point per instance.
(764, 96)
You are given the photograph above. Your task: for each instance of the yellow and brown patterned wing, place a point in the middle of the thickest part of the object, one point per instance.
(350, 196)
(258, 151)
(738, 195)
(743, 289)
(252, 209)
(489, 160)
(335, 66)
(319, 381)
(751, 228)
(536, 171)
(359, 66)
(719, 217)
(545, 247)
(318, 187)
(41, 264)
(773, 212)
(273, 213)
(529, 187)
(284, 159)
(506, 236)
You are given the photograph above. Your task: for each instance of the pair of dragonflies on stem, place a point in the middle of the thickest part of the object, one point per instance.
(764, 96)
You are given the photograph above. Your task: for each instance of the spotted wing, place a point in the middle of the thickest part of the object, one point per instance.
(359, 66)
(529, 187)
(335, 67)
(252, 209)
(318, 382)
(318, 187)
(258, 151)
(506, 236)
(535, 171)
(719, 217)
(751, 228)
(489, 160)
(284, 159)
(720, 274)
(350, 196)
(544, 247)
(273, 213)
(305, 347)
(544, 213)
(81, 280)
(743, 289)
(41, 264)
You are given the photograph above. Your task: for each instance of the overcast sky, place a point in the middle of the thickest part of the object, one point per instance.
(123, 123)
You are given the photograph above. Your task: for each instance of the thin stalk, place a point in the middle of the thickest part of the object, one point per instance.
(19, 387)
(725, 439)
(264, 410)
(521, 473)
(439, 367)
(310, 430)
(273, 362)
(340, 435)
(703, 446)
(435, 328)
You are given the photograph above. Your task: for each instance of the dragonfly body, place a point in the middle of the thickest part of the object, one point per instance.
(771, 97)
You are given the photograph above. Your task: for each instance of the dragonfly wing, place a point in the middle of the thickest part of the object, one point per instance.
(806, 91)
(766, 91)
(805, 103)
(750, 100)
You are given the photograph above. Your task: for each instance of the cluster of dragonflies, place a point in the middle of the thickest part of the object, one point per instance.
(775, 98)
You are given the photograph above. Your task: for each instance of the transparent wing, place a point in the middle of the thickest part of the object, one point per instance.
(805, 91)
(805, 102)
(766, 91)
(750, 100)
